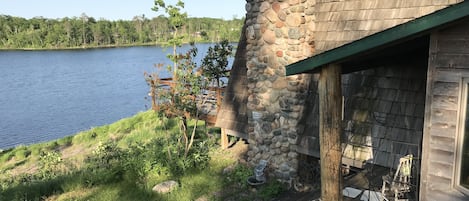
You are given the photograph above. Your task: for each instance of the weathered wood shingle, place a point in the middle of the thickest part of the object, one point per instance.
(340, 22)
(384, 110)
(233, 112)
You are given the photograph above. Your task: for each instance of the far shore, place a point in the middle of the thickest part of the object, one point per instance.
(97, 47)
(81, 47)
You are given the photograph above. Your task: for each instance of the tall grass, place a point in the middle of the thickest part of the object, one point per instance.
(123, 161)
(120, 161)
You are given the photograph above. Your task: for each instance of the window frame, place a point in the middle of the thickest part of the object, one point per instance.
(460, 135)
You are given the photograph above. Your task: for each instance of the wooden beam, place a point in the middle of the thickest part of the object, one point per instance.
(330, 108)
(224, 139)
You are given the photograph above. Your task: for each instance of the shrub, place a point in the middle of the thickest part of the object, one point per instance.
(104, 165)
(66, 141)
(240, 174)
(271, 190)
(6, 155)
(49, 163)
(22, 153)
(106, 155)
(51, 146)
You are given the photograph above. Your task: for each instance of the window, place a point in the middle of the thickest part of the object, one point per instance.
(464, 169)
(462, 176)
(464, 148)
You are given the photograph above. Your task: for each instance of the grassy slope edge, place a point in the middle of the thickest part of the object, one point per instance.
(122, 161)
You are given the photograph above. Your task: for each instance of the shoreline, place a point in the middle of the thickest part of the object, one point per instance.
(99, 47)
(77, 48)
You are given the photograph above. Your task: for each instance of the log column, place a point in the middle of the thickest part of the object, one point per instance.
(330, 109)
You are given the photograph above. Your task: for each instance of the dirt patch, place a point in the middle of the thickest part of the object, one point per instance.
(238, 149)
(74, 151)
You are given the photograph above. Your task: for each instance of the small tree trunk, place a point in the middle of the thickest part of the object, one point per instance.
(175, 66)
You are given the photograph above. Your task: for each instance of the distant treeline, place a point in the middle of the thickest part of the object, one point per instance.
(84, 31)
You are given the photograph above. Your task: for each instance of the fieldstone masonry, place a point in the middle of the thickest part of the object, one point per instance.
(278, 33)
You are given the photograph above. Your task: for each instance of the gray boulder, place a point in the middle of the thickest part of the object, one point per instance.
(165, 187)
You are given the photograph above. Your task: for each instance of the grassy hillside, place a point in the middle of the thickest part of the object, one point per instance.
(123, 161)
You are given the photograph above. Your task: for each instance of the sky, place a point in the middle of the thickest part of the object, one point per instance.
(117, 9)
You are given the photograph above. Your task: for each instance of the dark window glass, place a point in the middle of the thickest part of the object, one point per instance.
(464, 171)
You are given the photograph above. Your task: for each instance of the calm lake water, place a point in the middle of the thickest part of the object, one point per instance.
(45, 95)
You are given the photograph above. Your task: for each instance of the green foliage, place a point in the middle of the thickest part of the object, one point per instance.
(237, 180)
(28, 187)
(179, 100)
(215, 62)
(65, 142)
(177, 18)
(49, 163)
(186, 88)
(180, 104)
(197, 158)
(22, 152)
(115, 169)
(6, 155)
(85, 31)
(51, 146)
(36, 149)
(144, 160)
(106, 155)
(239, 175)
(271, 190)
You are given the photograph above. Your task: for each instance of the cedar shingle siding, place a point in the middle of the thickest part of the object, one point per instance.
(340, 22)
(383, 119)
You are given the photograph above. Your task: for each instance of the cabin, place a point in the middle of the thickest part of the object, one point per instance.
(419, 69)
(369, 81)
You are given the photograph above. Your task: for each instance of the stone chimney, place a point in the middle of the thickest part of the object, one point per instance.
(279, 32)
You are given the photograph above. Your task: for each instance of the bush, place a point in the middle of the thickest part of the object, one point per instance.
(51, 146)
(5, 156)
(240, 174)
(199, 156)
(104, 165)
(66, 141)
(49, 163)
(271, 190)
(106, 155)
(22, 153)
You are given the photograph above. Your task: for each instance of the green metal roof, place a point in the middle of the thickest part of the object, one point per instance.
(399, 32)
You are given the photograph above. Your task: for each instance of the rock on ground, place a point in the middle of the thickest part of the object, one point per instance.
(165, 187)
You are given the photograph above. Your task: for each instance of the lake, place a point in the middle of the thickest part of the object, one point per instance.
(45, 95)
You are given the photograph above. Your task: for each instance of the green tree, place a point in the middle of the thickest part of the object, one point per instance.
(142, 31)
(179, 100)
(177, 19)
(173, 29)
(215, 62)
(84, 19)
(159, 27)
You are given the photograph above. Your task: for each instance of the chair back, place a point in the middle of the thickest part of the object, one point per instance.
(404, 170)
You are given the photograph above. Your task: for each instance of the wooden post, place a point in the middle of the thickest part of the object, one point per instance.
(219, 98)
(224, 139)
(330, 107)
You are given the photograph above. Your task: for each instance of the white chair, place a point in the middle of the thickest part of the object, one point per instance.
(399, 183)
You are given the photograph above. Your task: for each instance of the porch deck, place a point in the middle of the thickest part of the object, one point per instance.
(369, 178)
(208, 103)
